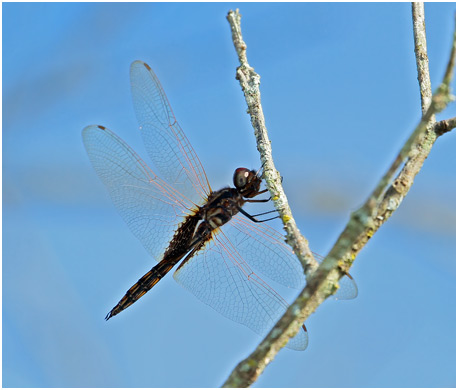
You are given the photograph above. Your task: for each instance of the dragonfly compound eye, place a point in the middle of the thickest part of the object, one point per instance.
(241, 176)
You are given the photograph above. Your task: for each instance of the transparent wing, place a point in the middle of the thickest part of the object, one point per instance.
(167, 146)
(347, 285)
(266, 251)
(347, 288)
(151, 208)
(220, 277)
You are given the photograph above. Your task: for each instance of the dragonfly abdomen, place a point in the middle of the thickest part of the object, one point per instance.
(143, 285)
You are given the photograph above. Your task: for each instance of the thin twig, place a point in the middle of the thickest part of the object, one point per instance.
(250, 81)
(444, 126)
(430, 104)
(421, 55)
(362, 225)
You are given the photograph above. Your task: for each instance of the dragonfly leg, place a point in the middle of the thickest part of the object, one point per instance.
(252, 217)
(267, 212)
(257, 200)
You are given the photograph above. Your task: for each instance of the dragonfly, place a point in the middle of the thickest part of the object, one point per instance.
(220, 250)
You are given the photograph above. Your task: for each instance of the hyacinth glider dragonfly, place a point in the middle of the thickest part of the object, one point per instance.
(178, 218)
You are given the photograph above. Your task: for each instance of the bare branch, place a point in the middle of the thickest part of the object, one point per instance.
(421, 55)
(250, 81)
(362, 225)
(444, 126)
(415, 150)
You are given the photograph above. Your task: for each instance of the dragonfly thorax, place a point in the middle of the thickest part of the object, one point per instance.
(222, 205)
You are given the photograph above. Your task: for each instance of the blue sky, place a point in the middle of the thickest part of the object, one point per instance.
(340, 96)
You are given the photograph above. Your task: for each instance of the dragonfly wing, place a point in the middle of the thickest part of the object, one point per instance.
(347, 288)
(266, 251)
(347, 285)
(151, 208)
(169, 149)
(219, 277)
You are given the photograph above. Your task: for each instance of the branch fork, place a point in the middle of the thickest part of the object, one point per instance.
(322, 280)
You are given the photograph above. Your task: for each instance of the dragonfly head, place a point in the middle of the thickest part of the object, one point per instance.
(247, 182)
